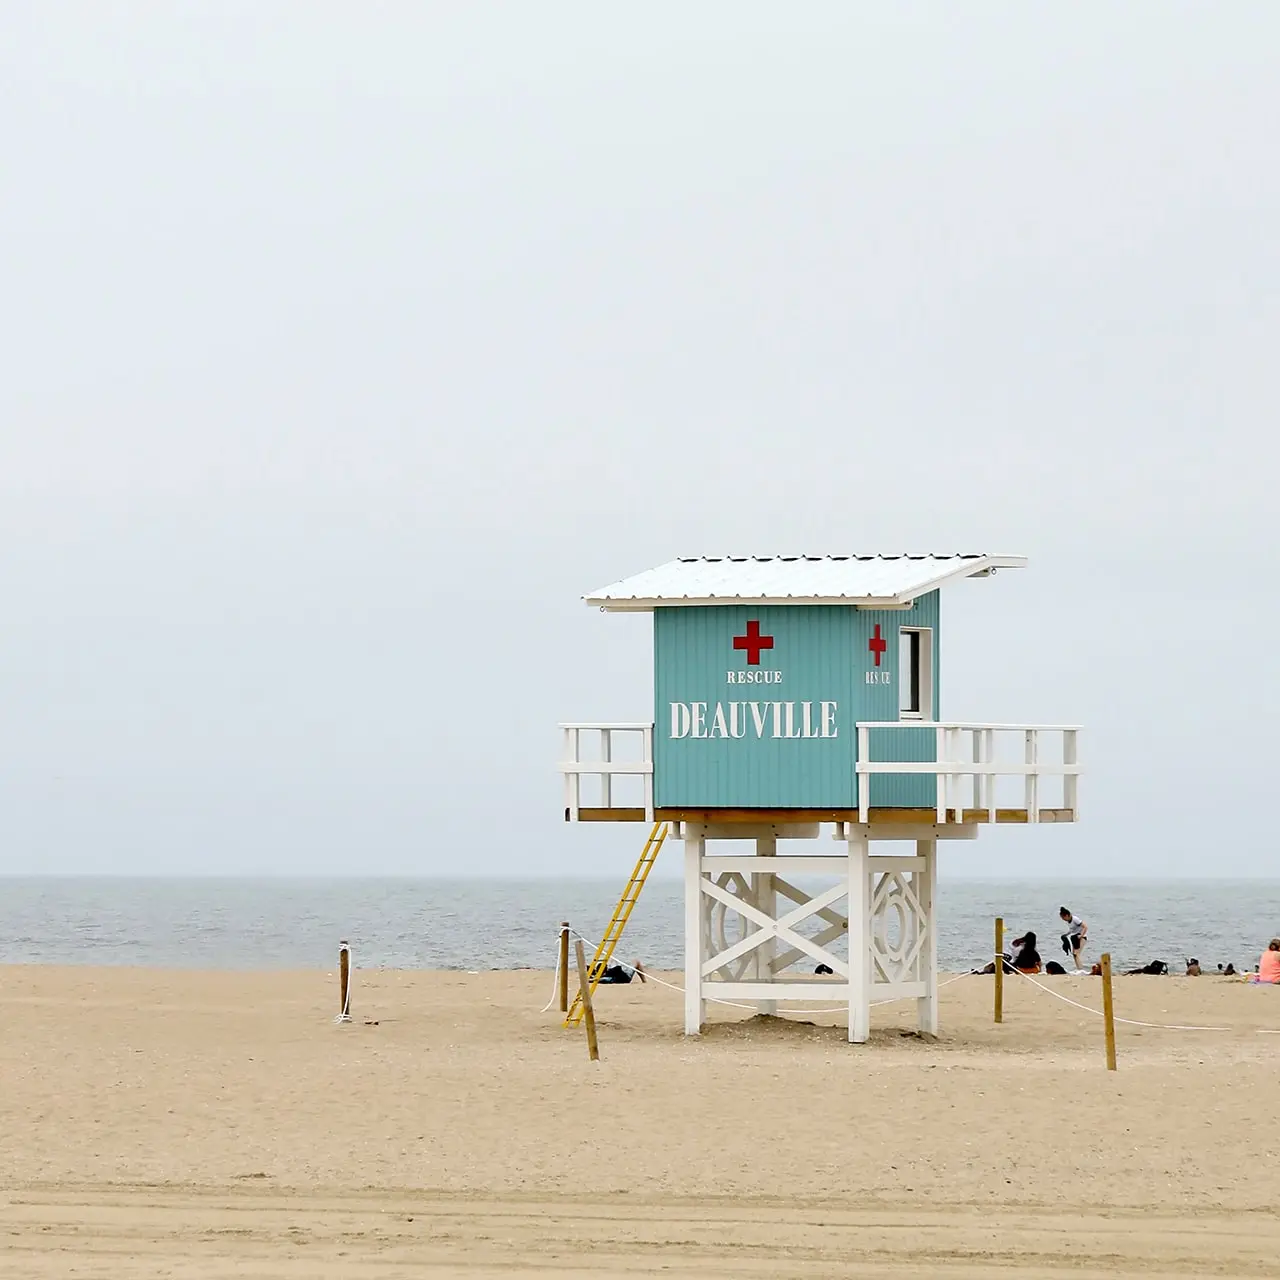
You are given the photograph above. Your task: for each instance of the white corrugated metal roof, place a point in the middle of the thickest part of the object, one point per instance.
(872, 581)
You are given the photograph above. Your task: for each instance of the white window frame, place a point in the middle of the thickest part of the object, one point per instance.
(925, 651)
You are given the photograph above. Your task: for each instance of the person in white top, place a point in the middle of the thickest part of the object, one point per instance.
(1075, 937)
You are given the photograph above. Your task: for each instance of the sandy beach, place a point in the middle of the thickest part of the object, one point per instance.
(219, 1124)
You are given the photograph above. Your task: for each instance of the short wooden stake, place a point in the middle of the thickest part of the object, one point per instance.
(589, 1015)
(344, 981)
(999, 1010)
(1108, 1011)
(564, 966)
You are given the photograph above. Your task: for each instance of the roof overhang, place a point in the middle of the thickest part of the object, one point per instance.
(660, 588)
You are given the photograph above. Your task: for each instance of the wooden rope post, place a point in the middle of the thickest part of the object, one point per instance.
(589, 1015)
(999, 1009)
(1108, 1011)
(564, 966)
(344, 981)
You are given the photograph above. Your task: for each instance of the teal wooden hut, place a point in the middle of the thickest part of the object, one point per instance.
(793, 693)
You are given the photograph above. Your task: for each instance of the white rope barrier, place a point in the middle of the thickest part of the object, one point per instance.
(1097, 1013)
(555, 981)
(750, 1008)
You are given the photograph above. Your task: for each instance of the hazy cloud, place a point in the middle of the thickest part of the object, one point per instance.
(347, 346)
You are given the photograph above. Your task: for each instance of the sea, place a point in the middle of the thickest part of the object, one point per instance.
(475, 925)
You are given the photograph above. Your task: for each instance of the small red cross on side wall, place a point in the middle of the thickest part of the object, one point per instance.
(753, 642)
(876, 644)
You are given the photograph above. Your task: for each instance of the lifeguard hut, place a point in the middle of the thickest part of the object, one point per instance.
(793, 693)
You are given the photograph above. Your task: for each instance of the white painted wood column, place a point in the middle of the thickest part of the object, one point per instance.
(859, 937)
(766, 900)
(694, 1006)
(927, 1005)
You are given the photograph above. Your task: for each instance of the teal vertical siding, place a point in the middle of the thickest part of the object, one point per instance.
(754, 757)
(903, 744)
(694, 659)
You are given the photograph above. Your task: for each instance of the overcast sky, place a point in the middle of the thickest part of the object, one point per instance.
(346, 346)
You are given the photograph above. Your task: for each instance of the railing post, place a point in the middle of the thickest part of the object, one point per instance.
(1033, 778)
(989, 751)
(956, 754)
(566, 754)
(861, 779)
(575, 778)
(1070, 781)
(979, 779)
(647, 753)
(939, 754)
(606, 757)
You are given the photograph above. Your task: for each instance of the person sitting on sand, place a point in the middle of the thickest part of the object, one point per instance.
(1026, 959)
(616, 973)
(1074, 939)
(1269, 964)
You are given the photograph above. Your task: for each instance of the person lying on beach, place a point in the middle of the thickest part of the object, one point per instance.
(616, 973)
(1269, 964)
(1006, 959)
(1074, 939)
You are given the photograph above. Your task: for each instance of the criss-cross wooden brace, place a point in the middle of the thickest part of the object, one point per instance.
(890, 881)
(770, 928)
(836, 925)
(717, 917)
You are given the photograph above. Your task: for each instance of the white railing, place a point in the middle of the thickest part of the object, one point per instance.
(965, 760)
(604, 766)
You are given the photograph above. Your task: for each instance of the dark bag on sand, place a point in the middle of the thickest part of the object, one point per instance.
(1054, 967)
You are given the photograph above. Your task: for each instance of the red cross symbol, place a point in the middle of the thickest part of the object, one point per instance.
(753, 642)
(875, 644)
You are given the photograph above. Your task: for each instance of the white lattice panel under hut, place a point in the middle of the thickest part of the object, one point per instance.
(842, 929)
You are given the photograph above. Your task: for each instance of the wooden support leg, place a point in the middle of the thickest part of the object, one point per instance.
(927, 1006)
(694, 1007)
(859, 938)
(766, 900)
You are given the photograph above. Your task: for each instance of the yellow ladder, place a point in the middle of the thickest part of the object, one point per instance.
(621, 914)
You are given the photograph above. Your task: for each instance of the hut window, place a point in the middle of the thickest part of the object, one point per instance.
(915, 672)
